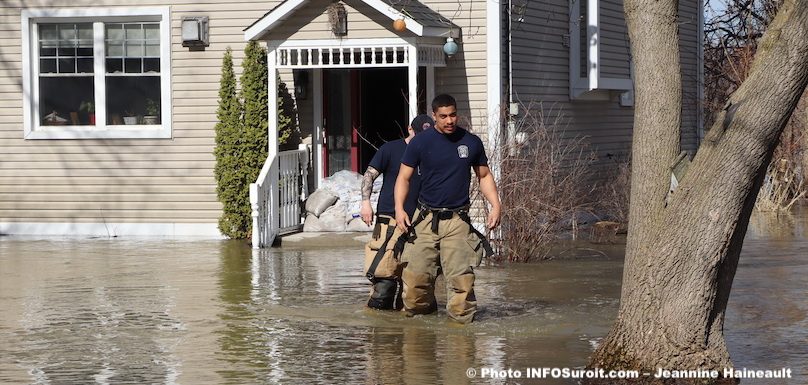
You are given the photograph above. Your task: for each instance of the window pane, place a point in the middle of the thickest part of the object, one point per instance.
(67, 32)
(152, 31)
(134, 31)
(47, 52)
(153, 49)
(47, 66)
(84, 65)
(133, 66)
(66, 51)
(133, 97)
(61, 99)
(86, 52)
(67, 66)
(134, 49)
(85, 32)
(48, 32)
(114, 66)
(114, 49)
(582, 32)
(114, 31)
(151, 65)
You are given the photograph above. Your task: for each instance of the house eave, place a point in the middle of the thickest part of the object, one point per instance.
(259, 29)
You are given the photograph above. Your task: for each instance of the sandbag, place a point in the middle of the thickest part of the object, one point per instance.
(357, 224)
(319, 201)
(312, 224)
(333, 219)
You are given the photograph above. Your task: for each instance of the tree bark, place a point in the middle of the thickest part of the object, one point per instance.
(681, 257)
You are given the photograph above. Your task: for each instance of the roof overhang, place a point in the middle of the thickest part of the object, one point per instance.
(287, 8)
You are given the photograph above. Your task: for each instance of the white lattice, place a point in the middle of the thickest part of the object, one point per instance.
(393, 55)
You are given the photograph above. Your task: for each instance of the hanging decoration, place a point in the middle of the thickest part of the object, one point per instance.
(399, 25)
(450, 48)
(338, 18)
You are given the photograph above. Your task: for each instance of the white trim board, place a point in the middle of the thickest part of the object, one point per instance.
(493, 48)
(30, 60)
(288, 8)
(201, 230)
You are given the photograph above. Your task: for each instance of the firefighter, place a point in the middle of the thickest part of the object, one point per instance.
(381, 261)
(444, 238)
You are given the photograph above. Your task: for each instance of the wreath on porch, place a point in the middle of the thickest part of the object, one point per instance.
(338, 18)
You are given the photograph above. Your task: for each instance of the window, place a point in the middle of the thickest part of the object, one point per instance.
(96, 73)
(600, 59)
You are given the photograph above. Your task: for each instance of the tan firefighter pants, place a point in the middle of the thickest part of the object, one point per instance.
(456, 251)
(383, 293)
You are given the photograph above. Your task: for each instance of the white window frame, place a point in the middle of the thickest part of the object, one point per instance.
(581, 86)
(30, 66)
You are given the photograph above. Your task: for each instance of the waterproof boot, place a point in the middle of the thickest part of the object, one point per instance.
(399, 303)
(384, 294)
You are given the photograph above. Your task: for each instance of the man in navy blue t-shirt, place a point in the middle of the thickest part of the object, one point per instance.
(444, 237)
(386, 274)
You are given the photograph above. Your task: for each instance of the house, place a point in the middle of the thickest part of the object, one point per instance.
(107, 124)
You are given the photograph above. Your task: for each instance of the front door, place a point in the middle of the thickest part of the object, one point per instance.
(341, 151)
(362, 109)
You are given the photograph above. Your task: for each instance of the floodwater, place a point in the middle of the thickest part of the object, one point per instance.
(110, 311)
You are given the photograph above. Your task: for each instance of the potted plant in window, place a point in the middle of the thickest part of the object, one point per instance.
(88, 107)
(152, 112)
(129, 118)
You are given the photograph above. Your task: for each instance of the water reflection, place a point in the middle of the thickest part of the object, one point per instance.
(152, 311)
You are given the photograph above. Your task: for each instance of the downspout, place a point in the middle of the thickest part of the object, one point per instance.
(494, 80)
(513, 110)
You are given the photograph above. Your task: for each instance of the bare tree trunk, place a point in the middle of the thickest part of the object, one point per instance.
(681, 258)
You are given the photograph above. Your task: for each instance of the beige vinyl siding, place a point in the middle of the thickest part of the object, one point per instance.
(465, 76)
(541, 79)
(311, 22)
(171, 180)
(127, 180)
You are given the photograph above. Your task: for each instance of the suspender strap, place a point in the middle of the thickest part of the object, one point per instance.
(371, 273)
(410, 234)
(489, 251)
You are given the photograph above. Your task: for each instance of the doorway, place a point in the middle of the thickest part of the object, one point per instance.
(362, 109)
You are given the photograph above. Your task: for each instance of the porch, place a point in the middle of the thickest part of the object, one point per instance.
(343, 97)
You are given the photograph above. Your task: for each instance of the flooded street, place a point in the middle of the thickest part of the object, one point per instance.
(79, 311)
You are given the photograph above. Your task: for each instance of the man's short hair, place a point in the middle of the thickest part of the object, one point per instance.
(443, 100)
(421, 122)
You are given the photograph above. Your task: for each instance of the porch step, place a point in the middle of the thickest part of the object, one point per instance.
(325, 240)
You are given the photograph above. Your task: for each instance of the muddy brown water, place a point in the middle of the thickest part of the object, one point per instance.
(109, 311)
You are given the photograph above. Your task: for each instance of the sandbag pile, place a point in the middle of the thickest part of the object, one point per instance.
(336, 205)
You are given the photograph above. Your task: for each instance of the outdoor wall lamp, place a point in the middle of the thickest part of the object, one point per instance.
(301, 79)
(338, 18)
(450, 48)
(195, 31)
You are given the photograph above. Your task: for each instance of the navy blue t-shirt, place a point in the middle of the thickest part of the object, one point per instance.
(445, 163)
(388, 161)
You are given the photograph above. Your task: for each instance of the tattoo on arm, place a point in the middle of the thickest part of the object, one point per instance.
(367, 182)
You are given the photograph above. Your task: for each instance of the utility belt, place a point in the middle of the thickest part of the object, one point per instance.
(441, 214)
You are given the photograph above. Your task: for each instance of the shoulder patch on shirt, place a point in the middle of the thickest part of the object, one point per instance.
(463, 151)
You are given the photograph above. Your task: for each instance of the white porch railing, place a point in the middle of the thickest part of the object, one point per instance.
(276, 195)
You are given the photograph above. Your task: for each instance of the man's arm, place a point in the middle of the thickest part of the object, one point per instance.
(489, 189)
(367, 190)
(400, 196)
